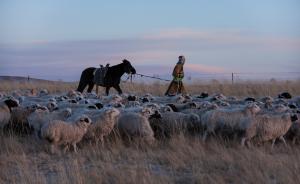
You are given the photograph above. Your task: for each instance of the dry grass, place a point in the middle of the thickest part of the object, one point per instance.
(182, 159)
(179, 160)
(239, 89)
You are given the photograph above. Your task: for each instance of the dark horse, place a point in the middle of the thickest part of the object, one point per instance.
(112, 77)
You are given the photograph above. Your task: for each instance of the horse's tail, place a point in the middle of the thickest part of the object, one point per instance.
(86, 77)
(82, 84)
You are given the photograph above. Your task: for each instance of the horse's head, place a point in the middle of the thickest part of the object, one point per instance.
(128, 67)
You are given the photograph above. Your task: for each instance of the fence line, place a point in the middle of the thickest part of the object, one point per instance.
(233, 76)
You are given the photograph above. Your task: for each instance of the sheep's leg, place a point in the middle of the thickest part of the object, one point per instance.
(74, 147)
(204, 136)
(66, 148)
(283, 140)
(243, 141)
(294, 140)
(102, 141)
(52, 148)
(273, 142)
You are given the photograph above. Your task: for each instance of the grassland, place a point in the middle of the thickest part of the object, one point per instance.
(182, 159)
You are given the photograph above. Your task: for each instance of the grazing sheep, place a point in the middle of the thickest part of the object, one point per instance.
(18, 120)
(171, 123)
(285, 95)
(203, 95)
(226, 120)
(43, 92)
(132, 104)
(134, 125)
(59, 132)
(42, 116)
(266, 127)
(181, 107)
(103, 123)
(6, 106)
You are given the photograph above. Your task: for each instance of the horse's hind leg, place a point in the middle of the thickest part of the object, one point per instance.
(107, 90)
(90, 88)
(82, 85)
(117, 87)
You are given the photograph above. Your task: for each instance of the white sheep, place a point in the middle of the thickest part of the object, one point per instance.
(59, 132)
(266, 127)
(103, 123)
(226, 119)
(41, 117)
(134, 125)
(6, 106)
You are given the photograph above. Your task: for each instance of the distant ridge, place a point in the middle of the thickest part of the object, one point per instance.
(25, 79)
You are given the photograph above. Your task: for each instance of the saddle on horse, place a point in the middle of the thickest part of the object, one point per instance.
(99, 75)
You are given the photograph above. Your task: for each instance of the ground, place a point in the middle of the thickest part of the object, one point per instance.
(182, 159)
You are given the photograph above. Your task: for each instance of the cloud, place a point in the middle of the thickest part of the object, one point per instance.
(226, 38)
(204, 68)
(218, 51)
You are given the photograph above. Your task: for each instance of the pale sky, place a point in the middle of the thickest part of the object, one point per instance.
(57, 39)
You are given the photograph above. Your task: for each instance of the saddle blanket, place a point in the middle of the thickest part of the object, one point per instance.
(99, 76)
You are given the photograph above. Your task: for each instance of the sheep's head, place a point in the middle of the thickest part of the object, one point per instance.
(99, 105)
(173, 107)
(249, 99)
(43, 92)
(84, 121)
(132, 98)
(147, 111)
(192, 105)
(52, 106)
(73, 101)
(194, 118)
(281, 108)
(72, 94)
(156, 115)
(116, 98)
(180, 99)
(67, 112)
(294, 117)
(112, 112)
(42, 109)
(11, 102)
(166, 109)
(145, 99)
(252, 108)
(267, 99)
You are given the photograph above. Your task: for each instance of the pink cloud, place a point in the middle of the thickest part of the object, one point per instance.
(203, 68)
(233, 37)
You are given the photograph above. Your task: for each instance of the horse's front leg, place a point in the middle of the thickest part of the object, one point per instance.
(107, 91)
(117, 87)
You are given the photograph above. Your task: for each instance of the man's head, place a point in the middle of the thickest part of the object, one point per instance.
(181, 59)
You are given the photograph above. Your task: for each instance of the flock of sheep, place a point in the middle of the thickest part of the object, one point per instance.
(65, 120)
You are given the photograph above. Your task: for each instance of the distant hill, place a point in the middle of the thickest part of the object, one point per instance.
(24, 79)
